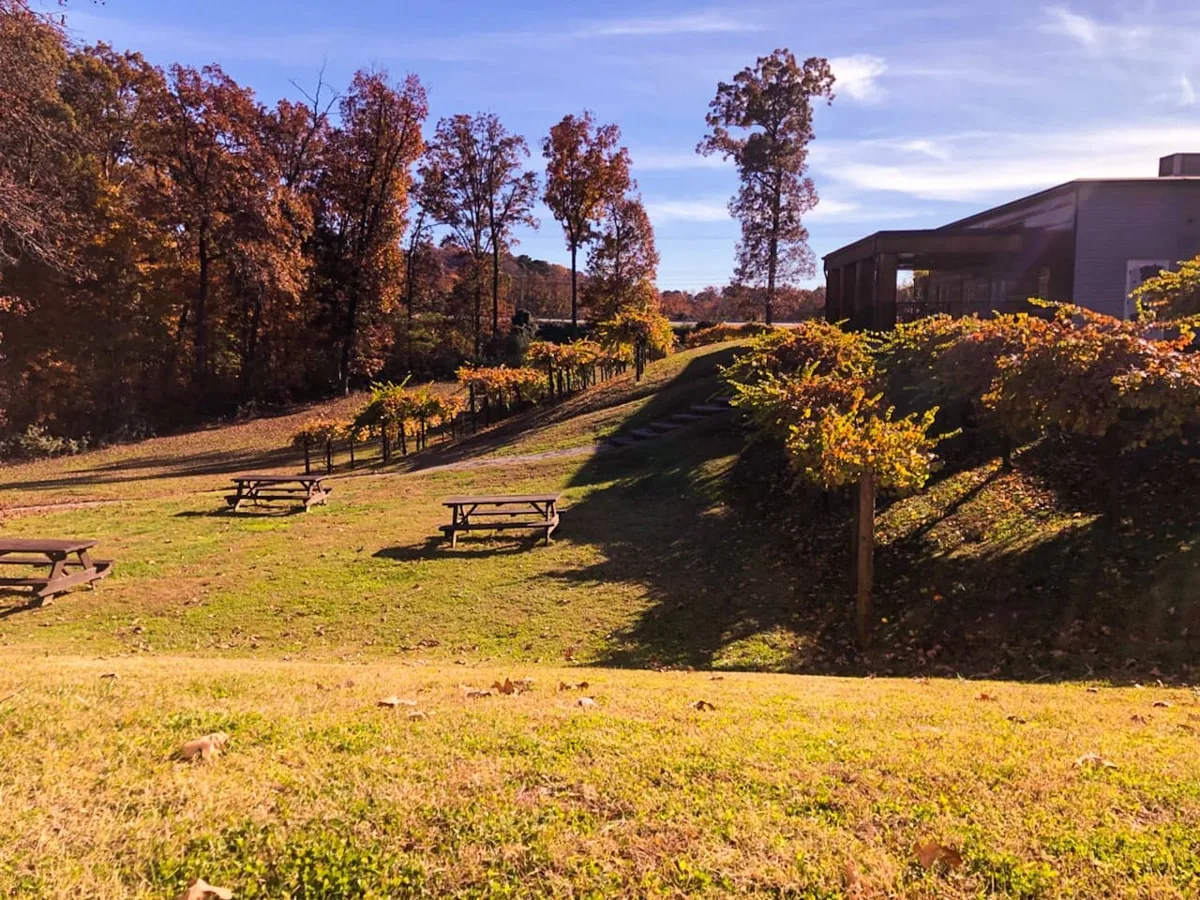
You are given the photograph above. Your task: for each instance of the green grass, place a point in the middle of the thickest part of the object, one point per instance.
(777, 791)
(284, 630)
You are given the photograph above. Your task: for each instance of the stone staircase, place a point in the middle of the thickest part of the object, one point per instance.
(696, 413)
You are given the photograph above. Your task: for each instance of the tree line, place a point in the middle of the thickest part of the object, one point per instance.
(173, 248)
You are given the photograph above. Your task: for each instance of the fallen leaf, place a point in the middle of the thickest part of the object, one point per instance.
(1095, 761)
(930, 853)
(986, 697)
(416, 715)
(586, 702)
(393, 702)
(1093, 690)
(579, 686)
(109, 675)
(1162, 704)
(1017, 720)
(722, 678)
(477, 692)
(854, 879)
(1141, 720)
(701, 705)
(513, 687)
(205, 748)
(202, 890)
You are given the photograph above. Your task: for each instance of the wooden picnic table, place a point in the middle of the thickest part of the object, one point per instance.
(498, 512)
(263, 490)
(55, 555)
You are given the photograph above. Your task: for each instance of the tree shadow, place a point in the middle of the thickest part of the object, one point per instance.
(215, 462)
(14, 601)
(1003, 574)
(469, 547)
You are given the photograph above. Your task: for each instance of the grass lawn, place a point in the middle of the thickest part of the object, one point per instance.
(791, 786)
(284, 630)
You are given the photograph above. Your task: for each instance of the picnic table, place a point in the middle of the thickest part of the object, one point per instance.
(538, 512)
(266, 489)
(55, 555)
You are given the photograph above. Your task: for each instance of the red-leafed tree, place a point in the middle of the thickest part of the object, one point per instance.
(586, 171)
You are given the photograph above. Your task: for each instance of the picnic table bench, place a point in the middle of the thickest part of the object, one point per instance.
(55, 555)
(266, 489)
(538, 512)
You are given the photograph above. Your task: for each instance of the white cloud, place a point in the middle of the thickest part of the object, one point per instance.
(687, 210)
(713, 22)
(995, 165)
(1069, 24)
(1187, 93)
(858, 77)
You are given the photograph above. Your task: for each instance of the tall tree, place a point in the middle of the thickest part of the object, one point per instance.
(364, 201)
(473, 182)
(585, 171)
(511, 193)
(34, 219)
(770, 106)
(622, 257)
(454, 189)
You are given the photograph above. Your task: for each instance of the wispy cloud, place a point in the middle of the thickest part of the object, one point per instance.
(711, 22)
(1187, 93)
(687, 210)
(991, 165)
(858, 77)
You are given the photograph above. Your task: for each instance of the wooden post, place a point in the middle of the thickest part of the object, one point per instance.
(864, 558)
(328, 456)
(307, 460)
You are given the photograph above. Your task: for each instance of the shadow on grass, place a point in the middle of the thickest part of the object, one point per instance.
(253, 512)
(998, 574)
(215, 462)
(439, 547)
(14, 601)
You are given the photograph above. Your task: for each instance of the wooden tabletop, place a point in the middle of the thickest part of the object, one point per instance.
(279, 478)
(496, 500)
(39, 545)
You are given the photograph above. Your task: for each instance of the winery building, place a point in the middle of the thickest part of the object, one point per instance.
(1089, 242)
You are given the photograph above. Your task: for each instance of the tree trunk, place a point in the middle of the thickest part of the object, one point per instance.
(328, 457)
(864, 557)
(574, 293)
(495, 287)
(307, 458)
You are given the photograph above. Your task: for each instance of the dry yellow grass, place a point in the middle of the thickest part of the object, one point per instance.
(791, 785)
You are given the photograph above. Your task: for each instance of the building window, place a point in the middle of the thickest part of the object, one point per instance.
(1137, 272)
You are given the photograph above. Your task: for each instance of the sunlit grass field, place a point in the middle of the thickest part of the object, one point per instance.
(659, 591)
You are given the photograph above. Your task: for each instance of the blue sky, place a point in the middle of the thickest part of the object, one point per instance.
(942, 108)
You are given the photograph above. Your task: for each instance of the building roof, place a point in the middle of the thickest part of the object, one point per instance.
(1013, 205)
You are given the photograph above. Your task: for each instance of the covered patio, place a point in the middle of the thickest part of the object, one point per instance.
(860, 278)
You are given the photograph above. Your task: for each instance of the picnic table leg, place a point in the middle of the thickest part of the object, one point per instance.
(241, 496)
(552, 514)
(58, 571)
(85, 560)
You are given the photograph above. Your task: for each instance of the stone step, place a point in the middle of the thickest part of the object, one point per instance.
(684, 418)
(643, 433)
(709, 409)
(664, 427)
(620, 441)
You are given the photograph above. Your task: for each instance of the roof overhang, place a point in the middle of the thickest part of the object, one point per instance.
(924, 248)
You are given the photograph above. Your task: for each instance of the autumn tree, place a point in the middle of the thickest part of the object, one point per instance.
(762, 120)
(363, 207)
(622, 257)
(511, 192)
(585, 172)
(34, 220)
(455, 190)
